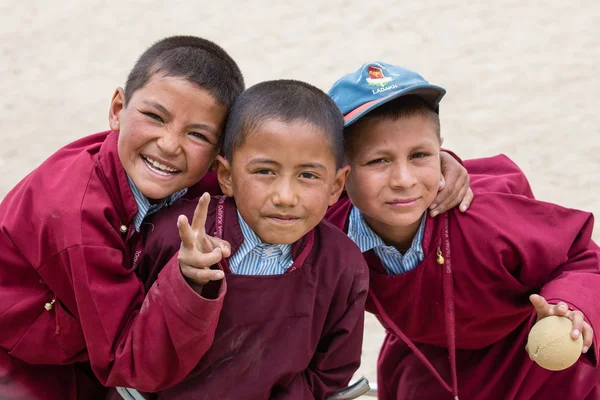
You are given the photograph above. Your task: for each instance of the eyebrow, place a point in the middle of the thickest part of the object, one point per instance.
(199, 126)
(158, 106)
(263, 161)
(313, 166)
(272, 162)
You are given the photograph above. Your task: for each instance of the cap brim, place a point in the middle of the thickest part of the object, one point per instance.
(430, 93)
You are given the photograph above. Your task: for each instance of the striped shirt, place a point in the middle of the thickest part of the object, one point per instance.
(257, 258)
(144, 206)
(393, 261)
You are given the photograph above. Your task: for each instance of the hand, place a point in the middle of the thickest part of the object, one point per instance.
(544, 309)
(454, 187)
(199, 251)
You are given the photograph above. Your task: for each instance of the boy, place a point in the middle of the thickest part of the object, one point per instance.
(70, 302)
(292, 319)
(454, 291)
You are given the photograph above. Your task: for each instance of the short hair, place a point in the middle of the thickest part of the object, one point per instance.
(287, 101)
(194, 59)
(402, 107)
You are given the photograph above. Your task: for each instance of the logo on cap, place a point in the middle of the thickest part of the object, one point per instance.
(376, 77)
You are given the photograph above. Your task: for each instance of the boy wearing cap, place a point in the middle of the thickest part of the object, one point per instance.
(455, 292)
(72, 310)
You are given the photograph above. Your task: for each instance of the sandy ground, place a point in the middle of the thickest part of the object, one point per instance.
(521, 76)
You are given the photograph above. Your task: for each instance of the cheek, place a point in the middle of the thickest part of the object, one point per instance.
(134, 135)
(316, 200)
(362, 184)
(248, 190)
(200, 158)
(431, 180)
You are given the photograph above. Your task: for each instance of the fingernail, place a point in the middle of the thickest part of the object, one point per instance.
(576, 332)
(463, 208)
(431, 207)
(585, 349)
(434, 213)
(563, 308)
(219, 275)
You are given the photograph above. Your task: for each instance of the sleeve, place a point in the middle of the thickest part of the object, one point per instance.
(453, 155)
(548, 248)
(148, 342)
(338, 353)
(497, 174)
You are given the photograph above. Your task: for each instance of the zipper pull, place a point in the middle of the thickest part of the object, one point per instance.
(49, 306)
(440, 257)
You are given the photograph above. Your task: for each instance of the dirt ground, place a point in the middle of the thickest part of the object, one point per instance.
(521, 76)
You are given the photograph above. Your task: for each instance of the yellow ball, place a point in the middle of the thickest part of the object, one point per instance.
(550, 344)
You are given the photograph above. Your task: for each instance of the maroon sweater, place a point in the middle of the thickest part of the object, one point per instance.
(66, 235)
(468, 316)
(292, 336)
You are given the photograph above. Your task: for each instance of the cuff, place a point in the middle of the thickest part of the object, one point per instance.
(577, 298)
(185, 297)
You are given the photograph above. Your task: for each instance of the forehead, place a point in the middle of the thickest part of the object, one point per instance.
(178, 91)
(288, 141)
(383, 130)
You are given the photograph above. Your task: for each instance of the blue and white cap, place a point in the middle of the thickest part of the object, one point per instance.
(376, 83)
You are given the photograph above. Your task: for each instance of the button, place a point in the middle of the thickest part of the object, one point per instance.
(123, 229)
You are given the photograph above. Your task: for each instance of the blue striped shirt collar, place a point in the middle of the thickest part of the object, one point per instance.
(393, 261)
(145, 208)
(254, 257)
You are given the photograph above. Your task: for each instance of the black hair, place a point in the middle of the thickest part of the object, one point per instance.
(402, 107)
(194, 59)
(287, 101)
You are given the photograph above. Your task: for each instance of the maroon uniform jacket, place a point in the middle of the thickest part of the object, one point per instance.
(292, 336)
(459, 321)
(66, 239)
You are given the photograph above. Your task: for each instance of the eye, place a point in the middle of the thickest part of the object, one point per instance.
(377, 161)
(200, 136)
(419, 154)
(264, 172)
(308, 175)
(153, 116)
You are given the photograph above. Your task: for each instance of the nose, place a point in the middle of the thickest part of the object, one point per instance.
(168, 143)
(284, 194)
(402, 176)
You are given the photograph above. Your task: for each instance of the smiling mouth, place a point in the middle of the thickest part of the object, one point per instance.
(159, 168)
(283, 219)
(402, 202)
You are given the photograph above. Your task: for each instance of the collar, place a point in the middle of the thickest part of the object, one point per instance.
(232, 231)
(366, 239)
(252, 241)
(145, 208)
(113, 176)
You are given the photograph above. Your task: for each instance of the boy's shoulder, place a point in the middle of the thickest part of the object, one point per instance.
(65, 193)
(497, 217)
(497, 174)
(337, 243)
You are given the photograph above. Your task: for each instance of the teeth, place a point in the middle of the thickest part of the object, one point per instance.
(159, 166)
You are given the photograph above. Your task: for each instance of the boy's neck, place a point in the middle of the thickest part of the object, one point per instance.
(400, 237)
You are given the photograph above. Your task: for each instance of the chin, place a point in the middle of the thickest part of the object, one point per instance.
(273, 237)
(401, 220)
(155, 194)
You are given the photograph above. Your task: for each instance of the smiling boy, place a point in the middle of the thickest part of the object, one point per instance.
(72, 310)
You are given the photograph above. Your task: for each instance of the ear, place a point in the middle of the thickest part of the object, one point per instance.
(224, 175)
(338, 184)
(117, 105)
